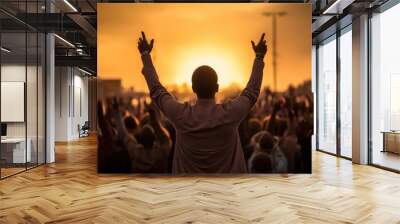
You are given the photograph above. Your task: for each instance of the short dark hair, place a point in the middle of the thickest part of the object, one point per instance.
(267, 142)
(131, 122)
(261, 163)
(205, 82)
(147, 136)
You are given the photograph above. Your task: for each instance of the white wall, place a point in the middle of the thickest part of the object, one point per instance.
(33, 127)
(62, 81)
(71, 103)
(16, 73)
(80, 110)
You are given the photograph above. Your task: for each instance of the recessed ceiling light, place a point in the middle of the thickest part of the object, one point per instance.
(5, 50)
(70, 5)
(84, 71)
(64, 40)
(338, 6)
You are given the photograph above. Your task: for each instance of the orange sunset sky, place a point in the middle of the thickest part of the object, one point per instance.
(189, 35)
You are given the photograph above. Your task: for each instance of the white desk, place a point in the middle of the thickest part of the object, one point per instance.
(17, 146)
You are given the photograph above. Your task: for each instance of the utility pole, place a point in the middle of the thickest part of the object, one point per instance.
(274, 16)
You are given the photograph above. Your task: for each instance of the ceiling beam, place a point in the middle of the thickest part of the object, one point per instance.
(76, 61)
(84, 24)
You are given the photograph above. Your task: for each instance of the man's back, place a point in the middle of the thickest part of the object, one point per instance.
(207, 139)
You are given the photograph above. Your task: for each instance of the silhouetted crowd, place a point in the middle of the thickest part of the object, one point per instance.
(275, 136)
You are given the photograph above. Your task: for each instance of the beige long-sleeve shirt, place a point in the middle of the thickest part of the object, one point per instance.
(207, 136)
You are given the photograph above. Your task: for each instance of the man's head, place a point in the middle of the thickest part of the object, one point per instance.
(261, 163)
(267, 142)
(147, 136)
(205, 82)
(131, 124)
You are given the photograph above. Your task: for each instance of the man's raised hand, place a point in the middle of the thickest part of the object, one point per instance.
(144, 46)
(261, 48)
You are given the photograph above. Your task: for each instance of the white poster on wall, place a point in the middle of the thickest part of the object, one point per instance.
(12, 101)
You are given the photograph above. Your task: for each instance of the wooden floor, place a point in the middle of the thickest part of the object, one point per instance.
(5, 172)
(387, 159)
(70, 191)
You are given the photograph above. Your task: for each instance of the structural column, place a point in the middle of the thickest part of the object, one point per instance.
(360, 89)
(50, 92)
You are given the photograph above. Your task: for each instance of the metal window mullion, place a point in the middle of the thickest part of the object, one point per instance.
(317, 96)
(45, 95)
(26, 88)
(369, 95)
(73, 91)
(37, 91)
(69, 93)
(338, 98)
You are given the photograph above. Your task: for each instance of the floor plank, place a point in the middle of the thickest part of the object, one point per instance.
(71, 191)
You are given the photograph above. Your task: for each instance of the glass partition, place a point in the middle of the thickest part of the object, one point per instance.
(346, 93)
(31, 97)
(22, 88)
(385, 89)
(327, 95)
(14, 153)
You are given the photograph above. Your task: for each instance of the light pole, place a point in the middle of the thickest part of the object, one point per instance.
(274, 16)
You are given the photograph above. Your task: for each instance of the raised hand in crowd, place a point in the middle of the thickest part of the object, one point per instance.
(144, 46)
(107, 138)
(161, 133)
(261, 48)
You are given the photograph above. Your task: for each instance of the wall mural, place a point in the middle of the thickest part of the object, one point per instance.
(204, 88)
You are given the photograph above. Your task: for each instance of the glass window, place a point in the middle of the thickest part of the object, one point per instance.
(15, 150)
(346, 93)
(31, 96)
(327, 95)
(385, 88)
(22, 92)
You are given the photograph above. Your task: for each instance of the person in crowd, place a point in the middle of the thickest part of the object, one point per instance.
(276, 124)
(247, 129)
(294, 144)
(207, 139)
(172, 133)
(150, 155)
(304, 133)
(261, 163)
(132, 125)
(289, 142)
(112, 154)
(264, 143)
